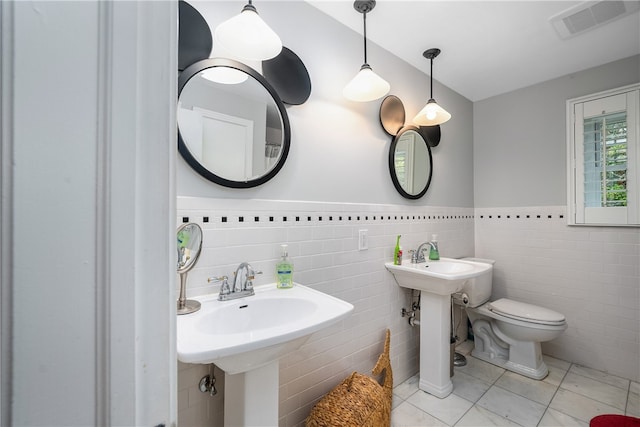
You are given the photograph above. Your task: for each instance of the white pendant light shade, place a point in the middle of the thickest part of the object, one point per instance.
(248, 36)
(366, 86)
(432, 114)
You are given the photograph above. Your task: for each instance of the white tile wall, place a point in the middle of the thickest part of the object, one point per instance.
(322, 239)
(196, 409)
(590, 274)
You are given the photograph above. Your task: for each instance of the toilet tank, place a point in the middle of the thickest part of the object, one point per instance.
(478, 289)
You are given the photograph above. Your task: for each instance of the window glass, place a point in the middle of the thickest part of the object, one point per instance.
(605, 160)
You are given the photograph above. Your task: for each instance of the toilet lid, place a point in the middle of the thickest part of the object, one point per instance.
(527, 312)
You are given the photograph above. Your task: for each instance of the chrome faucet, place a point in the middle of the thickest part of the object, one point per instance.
(243, 277)
(418, 255)
(242, 283)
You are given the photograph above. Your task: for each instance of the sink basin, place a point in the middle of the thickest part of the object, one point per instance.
(247, 333)
(443, 277)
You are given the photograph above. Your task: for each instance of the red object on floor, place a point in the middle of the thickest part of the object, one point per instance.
(614, 421)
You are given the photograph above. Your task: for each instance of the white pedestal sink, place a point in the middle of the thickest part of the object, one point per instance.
(436, 281)
(245, 338)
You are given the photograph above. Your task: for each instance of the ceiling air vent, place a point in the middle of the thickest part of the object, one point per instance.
(589, 15)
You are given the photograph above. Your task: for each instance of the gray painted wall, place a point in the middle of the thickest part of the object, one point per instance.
(339, 151)
(520, 137)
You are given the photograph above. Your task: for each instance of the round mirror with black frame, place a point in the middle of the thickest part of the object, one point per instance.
(233, 129)
(410, 163)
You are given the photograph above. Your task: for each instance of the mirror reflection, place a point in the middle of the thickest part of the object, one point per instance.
(233, 128)
(410, 163)
(189, 246)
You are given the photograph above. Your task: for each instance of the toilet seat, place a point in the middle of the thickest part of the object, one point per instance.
(526, 312)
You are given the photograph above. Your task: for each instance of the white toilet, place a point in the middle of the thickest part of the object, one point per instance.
(508, 333)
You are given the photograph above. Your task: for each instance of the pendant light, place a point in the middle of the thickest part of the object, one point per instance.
(248, 36)
(366, 85)
(432, 114)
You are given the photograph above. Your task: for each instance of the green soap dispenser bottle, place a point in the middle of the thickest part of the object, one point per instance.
(284, 270)
(434, 254)
(397, 253)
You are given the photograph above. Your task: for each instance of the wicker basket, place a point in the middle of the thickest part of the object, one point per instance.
(358, 400)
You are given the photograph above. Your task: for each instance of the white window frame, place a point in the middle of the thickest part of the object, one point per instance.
(578, 213)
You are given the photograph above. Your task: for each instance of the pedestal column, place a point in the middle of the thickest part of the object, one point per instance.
(435, 329)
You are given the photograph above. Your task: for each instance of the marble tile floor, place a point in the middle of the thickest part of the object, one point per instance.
(487, 395)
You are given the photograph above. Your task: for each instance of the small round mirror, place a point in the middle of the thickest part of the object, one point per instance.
(410, 163)
(189, 247)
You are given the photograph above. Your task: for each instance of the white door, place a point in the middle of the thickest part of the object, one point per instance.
(87, 213)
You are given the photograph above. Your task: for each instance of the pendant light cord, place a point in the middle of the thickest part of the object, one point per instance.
(431, 78)
(364, 22)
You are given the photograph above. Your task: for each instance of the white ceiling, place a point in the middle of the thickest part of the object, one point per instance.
(488, 47)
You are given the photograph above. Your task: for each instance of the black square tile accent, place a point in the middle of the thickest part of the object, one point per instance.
(308, 218)
(499, 216)
(240, 219)
(256, 218)
(340, 218)
(319, 218)
(366, 218)
(561, 216)
(538, 216)
(224, 219)
(358, 218)
(297, 218)
(185, 219)
(517, 216)
(330, 218)
(284, 219)
(349, 218)
(549, 216)
(205, 219)
(528, 216)
(270, 219)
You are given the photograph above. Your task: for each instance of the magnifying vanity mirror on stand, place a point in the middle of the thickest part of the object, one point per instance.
(189, 248)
